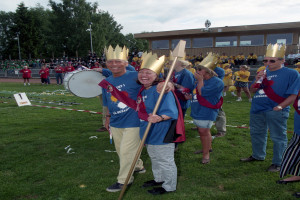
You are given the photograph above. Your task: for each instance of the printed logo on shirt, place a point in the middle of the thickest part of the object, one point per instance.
(260, 94)
(194, 99)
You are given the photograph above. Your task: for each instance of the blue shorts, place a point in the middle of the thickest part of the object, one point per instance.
(203, 123)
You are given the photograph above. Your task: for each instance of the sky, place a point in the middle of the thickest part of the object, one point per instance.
(137, 16)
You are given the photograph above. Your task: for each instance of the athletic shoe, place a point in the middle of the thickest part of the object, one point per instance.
(273, 168)
(116, 187)
(224, 94)
(232, 94)
(250, 100)
(239, 99)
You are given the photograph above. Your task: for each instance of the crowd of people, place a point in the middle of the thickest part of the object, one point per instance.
(130, 95)
(132, 88)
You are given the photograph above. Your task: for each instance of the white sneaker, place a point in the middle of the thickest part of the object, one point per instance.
(28, 83)
(239, 99)
(250, 100)
(224, 94)
(234, 95)
(24, 84)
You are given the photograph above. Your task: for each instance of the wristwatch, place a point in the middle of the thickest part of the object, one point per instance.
(279, 107)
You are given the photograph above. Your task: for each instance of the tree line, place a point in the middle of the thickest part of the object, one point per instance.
(61, 31)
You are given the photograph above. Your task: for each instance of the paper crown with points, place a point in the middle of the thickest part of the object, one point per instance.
(275, 50)
(210, 61)
(117, 53)
(152, 62)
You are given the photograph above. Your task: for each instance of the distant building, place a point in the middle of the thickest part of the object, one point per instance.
(232, 40)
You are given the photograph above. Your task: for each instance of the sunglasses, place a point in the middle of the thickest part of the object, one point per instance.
(271, 61)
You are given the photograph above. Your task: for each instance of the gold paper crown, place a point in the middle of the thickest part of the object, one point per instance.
(178, 58)
(118, 53)
(275, 50)
(152, 62)
(210, 61)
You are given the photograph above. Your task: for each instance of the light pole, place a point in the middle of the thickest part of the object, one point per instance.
(18, 33)
(90, 29)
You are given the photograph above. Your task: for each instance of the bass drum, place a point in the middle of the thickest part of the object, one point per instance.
(67, 78)
(85, 84)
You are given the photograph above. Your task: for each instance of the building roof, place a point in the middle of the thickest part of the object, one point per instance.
(217, 30)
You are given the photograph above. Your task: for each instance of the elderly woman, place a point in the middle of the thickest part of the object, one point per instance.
(160, 151)
(206, 101)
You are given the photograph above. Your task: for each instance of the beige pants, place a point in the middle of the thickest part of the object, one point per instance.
(126, 141)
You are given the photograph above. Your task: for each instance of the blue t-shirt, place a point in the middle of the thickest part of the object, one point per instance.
(186, 79)
(106, 72)
(220, 72)
(121, 115)
(167, 107)
(212, 92)
(284, 82)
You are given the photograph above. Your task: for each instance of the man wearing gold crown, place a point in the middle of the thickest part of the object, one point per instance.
(206, 101)
(270, 106)
(121, 120)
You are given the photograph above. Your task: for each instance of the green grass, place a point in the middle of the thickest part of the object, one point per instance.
(34, 163)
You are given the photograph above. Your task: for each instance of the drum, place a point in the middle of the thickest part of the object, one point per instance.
(85, 84)
(67, 78)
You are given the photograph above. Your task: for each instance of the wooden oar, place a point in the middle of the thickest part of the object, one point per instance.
(178, 52)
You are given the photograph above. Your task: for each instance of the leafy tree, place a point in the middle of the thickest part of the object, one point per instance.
(62, 30)
(5, 21)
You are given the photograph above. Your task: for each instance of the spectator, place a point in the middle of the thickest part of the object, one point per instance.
(227, 80)
(69, 68)
(26, 74)
(241, 82)
(59, 70)
(43, 73)
(252, 58)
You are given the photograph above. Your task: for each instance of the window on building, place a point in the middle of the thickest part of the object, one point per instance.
(251, 40)
(160, 44)
(226, 41)
(202, 42)
(285, 38)
(175, 42)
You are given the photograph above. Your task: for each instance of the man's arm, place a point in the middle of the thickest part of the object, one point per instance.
(289, 100)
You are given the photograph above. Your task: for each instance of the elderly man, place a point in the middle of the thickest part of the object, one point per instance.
(270, 106)
(122, 121)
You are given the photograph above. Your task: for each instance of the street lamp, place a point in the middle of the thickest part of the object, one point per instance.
(90, 29)
(18, 33)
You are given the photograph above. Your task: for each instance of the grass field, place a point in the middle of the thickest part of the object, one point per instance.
(35, 163)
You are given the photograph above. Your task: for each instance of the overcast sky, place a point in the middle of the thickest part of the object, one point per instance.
(137, 16)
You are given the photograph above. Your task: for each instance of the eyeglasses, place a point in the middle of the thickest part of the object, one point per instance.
(271, 61)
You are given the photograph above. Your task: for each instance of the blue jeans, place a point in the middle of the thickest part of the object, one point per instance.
(59, 76)
(276, 121)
